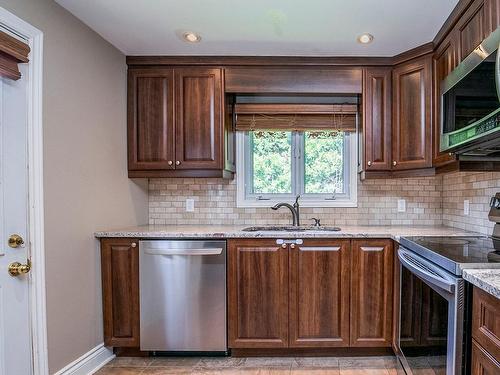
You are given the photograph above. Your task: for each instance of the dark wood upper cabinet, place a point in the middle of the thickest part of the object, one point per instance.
(411, 120)
(199, 111)
(150, 119)
(319, 293)
(257, 294)
(377, 100)
(445, 60)
(120, 291)
(471, 28)
(372, 280)
(177, 123)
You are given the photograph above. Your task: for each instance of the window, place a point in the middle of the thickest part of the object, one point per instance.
(275, 166)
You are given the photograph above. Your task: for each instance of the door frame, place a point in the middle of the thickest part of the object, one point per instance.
(37, 298)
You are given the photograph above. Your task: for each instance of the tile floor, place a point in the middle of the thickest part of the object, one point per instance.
(251, 366)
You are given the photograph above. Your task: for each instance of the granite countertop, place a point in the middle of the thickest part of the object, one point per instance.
(485, 279)
(229, 231)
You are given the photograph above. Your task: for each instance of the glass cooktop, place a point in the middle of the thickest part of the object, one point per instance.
(456, 253)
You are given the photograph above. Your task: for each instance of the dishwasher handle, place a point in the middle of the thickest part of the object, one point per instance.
(186, 252)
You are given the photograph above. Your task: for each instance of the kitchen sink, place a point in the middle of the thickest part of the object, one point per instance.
(290, 228)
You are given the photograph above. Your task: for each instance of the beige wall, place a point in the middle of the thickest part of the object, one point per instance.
(85, 181)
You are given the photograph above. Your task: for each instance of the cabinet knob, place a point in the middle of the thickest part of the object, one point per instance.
(394, 162)
(283, 245)
(177, 162)
(170, 162)
(369, 163)
(292, 246)
(133, 244)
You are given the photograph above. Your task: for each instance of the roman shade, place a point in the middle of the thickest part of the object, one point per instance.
(298, 117)
(12, 53)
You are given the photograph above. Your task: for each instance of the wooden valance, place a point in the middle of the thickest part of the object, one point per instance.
(299, 117)
(12, 53)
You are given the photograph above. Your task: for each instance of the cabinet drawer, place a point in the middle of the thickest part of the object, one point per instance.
(486, 321)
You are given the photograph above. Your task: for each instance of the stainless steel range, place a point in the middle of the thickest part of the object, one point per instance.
(434, 329)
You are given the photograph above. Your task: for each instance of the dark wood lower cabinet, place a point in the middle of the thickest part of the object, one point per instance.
(371, 293)
(120, 291)
(257, 294)
(482, 361)
(485, 333)
(319, 293)
(323, 293)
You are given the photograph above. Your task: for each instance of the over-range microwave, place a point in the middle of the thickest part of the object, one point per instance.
(470, 105)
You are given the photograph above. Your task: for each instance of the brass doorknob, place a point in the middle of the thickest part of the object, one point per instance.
(17, 269)
(15, 240)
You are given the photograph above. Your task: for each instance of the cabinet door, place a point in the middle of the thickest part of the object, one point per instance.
(257, 294)
(199, 118)
(471, 28)
(150, 119)
(120, 291)
(319, 293)
(486, 321)
(445, 60)
(412, 133)
(371, 293)
(482, 361)
(377, 118)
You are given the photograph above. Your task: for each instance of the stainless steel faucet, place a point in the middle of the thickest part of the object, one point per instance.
(294, 209)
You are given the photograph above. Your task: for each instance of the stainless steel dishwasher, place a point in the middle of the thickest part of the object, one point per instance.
(183, 295)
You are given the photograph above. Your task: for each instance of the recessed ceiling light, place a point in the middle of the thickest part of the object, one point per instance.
(365, 38)
(191, 37)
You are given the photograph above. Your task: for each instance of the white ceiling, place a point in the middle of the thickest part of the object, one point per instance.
(263, 27)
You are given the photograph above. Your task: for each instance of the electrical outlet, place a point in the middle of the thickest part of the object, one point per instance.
(401, 205)
(466, 207)
(189, 205)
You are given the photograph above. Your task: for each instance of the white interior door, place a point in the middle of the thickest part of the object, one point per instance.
(15, 330)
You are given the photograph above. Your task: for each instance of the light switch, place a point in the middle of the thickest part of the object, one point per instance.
(401, 205)
(189, 205)
(466, 207)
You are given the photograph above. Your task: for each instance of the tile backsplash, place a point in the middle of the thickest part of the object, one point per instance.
(215, 203)
(477, 188)
(429, 201)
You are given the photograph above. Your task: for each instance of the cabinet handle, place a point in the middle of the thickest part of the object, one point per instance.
(394, 162)
(177, 162)
(372, 248)
(170, 162)
(320, 248)
(369, 163)
(133, 244)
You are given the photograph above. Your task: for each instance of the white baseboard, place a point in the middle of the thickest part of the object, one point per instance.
(88, 363)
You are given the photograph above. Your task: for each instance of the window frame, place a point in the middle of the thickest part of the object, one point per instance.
(243, 174)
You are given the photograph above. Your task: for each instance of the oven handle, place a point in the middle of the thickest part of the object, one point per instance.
(415, 265)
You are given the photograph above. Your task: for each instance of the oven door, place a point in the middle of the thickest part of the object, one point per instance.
(431, 325)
